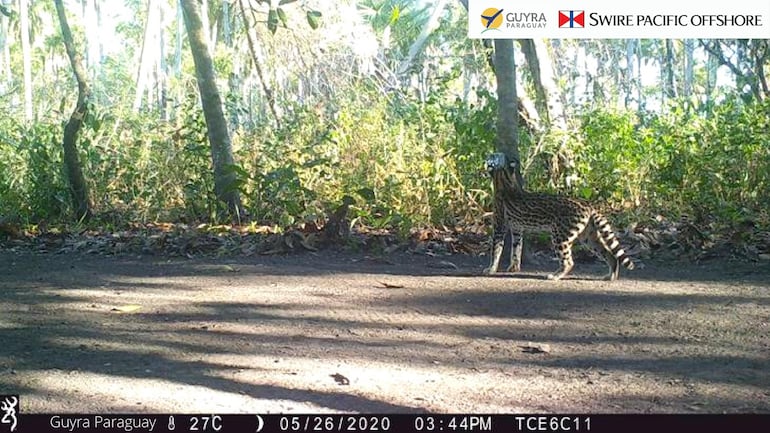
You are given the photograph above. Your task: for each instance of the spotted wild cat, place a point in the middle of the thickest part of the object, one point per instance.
(566, 219)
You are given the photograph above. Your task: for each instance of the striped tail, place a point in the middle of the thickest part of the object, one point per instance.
(610, 241)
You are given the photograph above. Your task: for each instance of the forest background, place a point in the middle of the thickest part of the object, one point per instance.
(382, 104)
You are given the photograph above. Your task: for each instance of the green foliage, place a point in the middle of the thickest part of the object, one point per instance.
(147, 169)
(272, 20)
(400, 167)
(32, 183)
(713, 164)
(406, 163)
(279, 15)
(408, 148)
(474, 137)
(313, 18)
(611, 158)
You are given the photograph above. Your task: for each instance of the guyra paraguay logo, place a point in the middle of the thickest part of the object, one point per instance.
(491, 19)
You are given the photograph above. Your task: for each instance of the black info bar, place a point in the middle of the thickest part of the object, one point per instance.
(397, 423)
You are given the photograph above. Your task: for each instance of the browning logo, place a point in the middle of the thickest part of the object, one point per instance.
(9, 406)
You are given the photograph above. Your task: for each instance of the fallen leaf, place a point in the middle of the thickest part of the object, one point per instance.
(127, 308)
(536, 348)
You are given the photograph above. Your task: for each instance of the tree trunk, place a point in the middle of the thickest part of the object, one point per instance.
(149, 55)
(630, 74)
(100, 31)
(549, 102)
(27, 59)
(761, 51)
(262, 79)
(638, 78)
(205, 23)
(91, 22)
(507, 140)
(78, 186)
(219, 136)
(507, 108)
(712, 64)
(742, 76)
(226, 21)
(541, 99)
(689, 47)
(549, 105)
(161, 66)
(5, 60)
(670, 90)
(178, 41)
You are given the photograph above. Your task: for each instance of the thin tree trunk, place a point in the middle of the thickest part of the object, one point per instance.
(761, 52)
(204, 14)
(670, 90)
(5, 61)
(638, 77)
(27, 59)
(712, 64)
(78, 185)
(148, 55)
(265, 88)
(178, 40)
(100, 31)
(214, 32)
(160, 65)
(226, 30)
(762, 80)
(219, 136)
(742, 77)
(689, 47)
(530, 54)
(549, 104)
(92, 32)
(630, 74)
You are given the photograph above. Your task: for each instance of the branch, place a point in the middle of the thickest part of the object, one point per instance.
(721, 57)
(265, 88)
(418, 44)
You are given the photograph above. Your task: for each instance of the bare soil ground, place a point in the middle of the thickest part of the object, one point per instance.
(338, 332)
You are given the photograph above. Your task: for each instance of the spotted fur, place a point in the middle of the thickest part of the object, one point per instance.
(566, 219)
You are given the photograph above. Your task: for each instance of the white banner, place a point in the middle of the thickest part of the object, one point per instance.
(610, 19)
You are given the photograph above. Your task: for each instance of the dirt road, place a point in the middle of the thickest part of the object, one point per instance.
(333, 332)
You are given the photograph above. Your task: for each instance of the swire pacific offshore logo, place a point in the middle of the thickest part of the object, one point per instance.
(572, 19)
(491, 19)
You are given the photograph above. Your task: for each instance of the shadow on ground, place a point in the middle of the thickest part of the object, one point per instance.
(278, 329)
